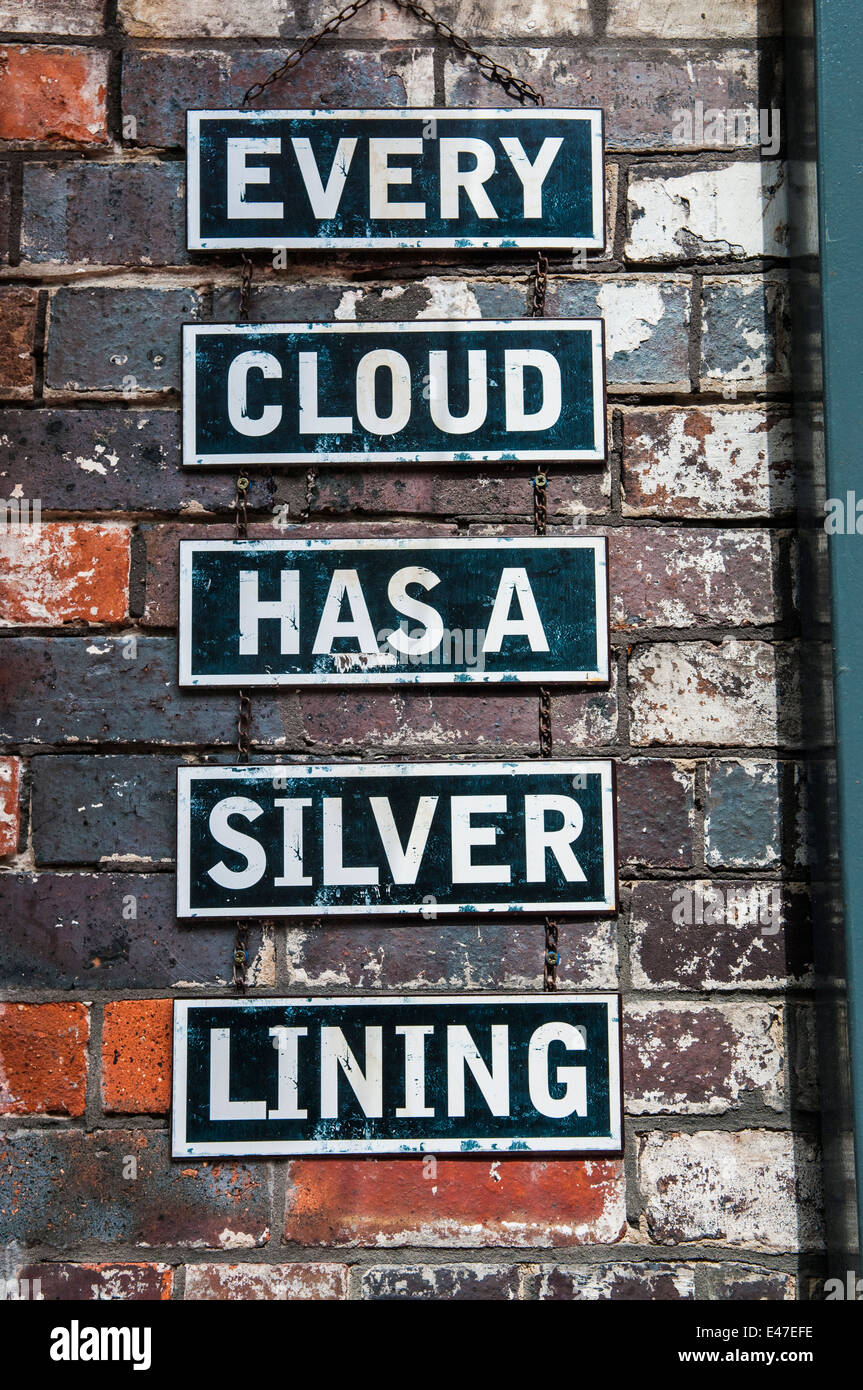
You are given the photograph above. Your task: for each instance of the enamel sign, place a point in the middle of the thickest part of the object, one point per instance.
(435, 178)
(373, 839)
(426, 391)
(424, 1074)
(393, 612)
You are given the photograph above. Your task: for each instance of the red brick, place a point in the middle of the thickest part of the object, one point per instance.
(256, 1283)
(43, 1059)
(463, 1202)
(136, 1057)
(55, 96)
(79, 1283)
(64, 572)
(10, 814)
(17, 330)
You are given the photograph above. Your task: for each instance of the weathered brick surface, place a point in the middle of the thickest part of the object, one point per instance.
(732, 212)
(714, 935)
(53, 96)
(111, 931)
(756, 1189)
(43, 1059)
(721, 19)
(263, 18)
(710, 462)
(743, 693)
(640, 92)
(743, 814)
(697, 501)
(10, 812)
(113, 460)
(746, 333)
(618, 1283)
(17, 330)
(466, 1202)
(60, 573)
(678, 577)
(702, 1059)
(464, 1283)
(60, 1188)
(439, 955)
(131, 1282)
(136, 1056)
(104, 214)
(256, 1283)
(102, 339)
(89, 691)
(160, 86)
(740, 1283)
(51, 16)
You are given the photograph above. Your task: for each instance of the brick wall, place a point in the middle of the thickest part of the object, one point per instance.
(718, 1193)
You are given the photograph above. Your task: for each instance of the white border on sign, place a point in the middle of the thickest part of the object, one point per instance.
(612, 1143)
(191, 332)
(598, 676)
(267, 772)
(196, 242)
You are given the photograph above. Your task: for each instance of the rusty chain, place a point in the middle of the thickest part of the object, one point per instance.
(551, 957)
(240, 954)
(524, 92)
(514, 86)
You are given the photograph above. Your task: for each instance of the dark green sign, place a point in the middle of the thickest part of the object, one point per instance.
(428, 1074)
(373, 839)
(427, 178)
(393, 612)
(427, 391)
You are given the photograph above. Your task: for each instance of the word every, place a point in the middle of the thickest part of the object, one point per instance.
(394, 178)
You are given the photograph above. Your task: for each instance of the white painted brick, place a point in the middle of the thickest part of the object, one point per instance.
(703, 1059)
(51, 16)
(756, 1189)
(734, 212)
(723, 461)
(729, 693)
(684, 19)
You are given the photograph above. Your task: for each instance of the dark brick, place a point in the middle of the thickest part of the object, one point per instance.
(639, 92)
(115, 460)
(163, 551)
(463, 492)
(746, 1283)
(102, 339)
(746, 333)
(743, 814)
(655, 810)
(426, 954)
(81, 1283)
(60, 1188)
(17, 331)
(86, 691)
(617, 1283)
(159, 86)
(721, 954)
(678, 577)
(92, 810)
(646, 325)
(5, 211)
(105, 214)
(69, 931)
(465, 1283)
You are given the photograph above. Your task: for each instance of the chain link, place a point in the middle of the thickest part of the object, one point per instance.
(514, 86)
(551, 958)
